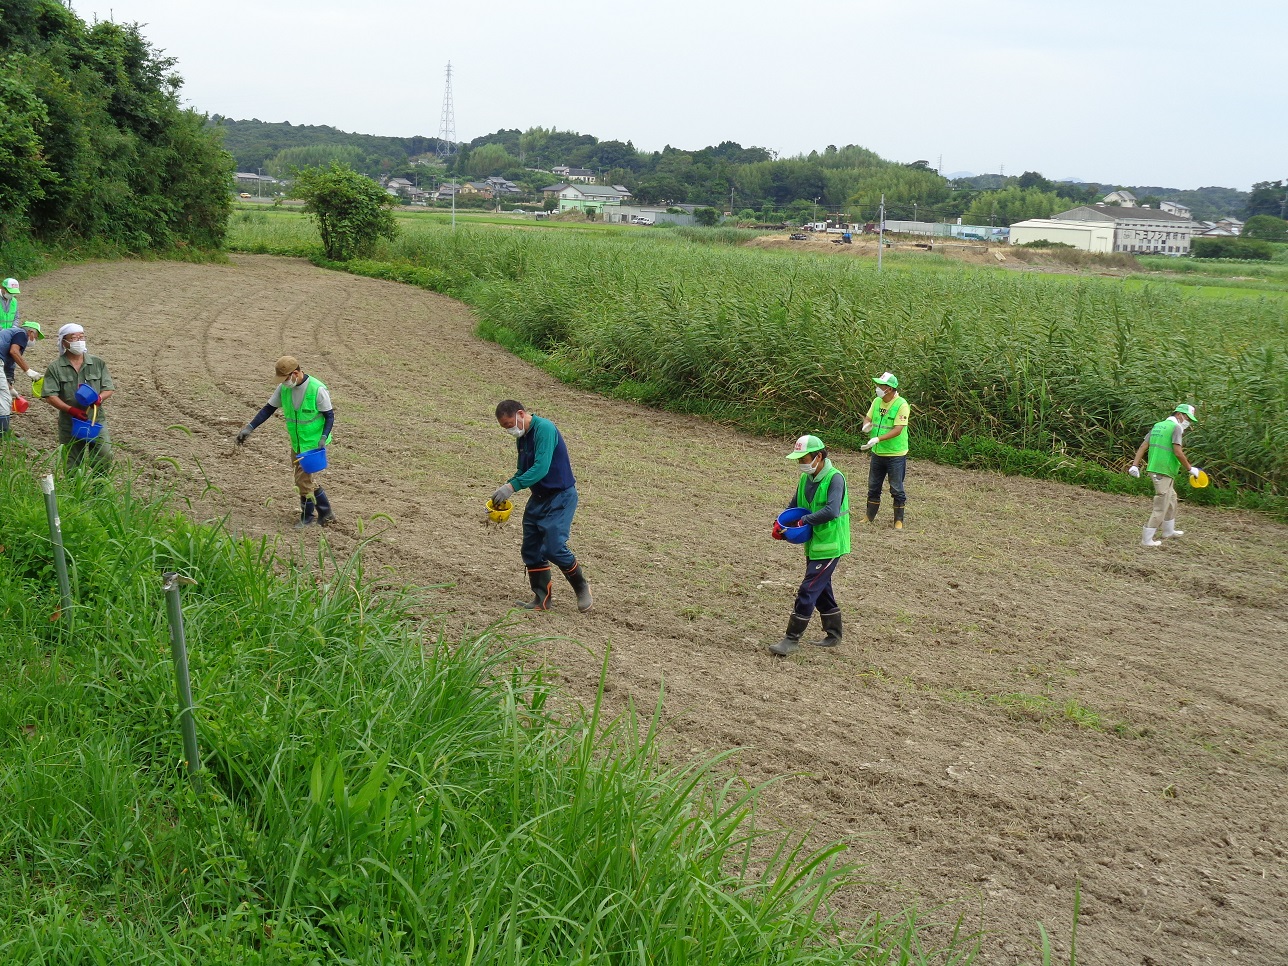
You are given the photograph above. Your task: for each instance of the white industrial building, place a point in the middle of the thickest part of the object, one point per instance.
(1133, 229)
(1087, 236)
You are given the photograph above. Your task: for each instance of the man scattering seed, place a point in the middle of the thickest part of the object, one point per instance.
(74, 367)
(306, 404)
(547, 519)
(887, 422)
(1162, 445)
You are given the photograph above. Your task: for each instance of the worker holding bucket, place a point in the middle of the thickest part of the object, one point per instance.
(306, 405)
(819, 518)
(544, 468)
(78, 384)
(1161, 449)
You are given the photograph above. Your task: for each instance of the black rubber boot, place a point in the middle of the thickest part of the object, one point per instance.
(539, 578)
(898, 516)
(873, 507)
(307, 510)
(325, 515)
(577, 577)
(832, 627)
(792, 639)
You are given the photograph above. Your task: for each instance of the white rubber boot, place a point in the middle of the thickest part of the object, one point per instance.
(1169, 530)
(1147, 538)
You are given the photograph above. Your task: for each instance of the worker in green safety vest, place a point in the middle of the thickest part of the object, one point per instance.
(887, 424)
(306, 404)
(1163, 455)
(9, 290)
(822, 491)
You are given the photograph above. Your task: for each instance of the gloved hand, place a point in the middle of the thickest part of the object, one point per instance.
(867, 425)
(78, 413)
(869, 444)
(243, 435)
(777, 531)
(502, 494)
(1134, 471)
(33, 375)
(1195, 471)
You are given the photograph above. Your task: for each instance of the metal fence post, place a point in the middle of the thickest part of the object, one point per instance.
(56, 538)
(179, 651)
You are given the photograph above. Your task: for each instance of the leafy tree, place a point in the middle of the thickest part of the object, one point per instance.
(93, 141)
(1266, 228)
(1267, 198)
(1013, 204)
(284, 163)
(1031, 179)
(489, 159)
(707, 217)
(351, 211)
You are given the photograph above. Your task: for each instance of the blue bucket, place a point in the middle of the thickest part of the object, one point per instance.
(82, 429)
(86, 395)
(791, 533)
(313, 460)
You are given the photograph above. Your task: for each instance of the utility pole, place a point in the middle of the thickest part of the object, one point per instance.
(881, 233)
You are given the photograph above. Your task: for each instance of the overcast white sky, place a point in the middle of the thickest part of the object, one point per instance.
(1179, 94)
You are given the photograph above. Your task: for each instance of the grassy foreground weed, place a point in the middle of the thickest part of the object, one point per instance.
(372, 796)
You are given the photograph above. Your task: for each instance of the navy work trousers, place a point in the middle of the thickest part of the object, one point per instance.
(816, 589)
(546, 523)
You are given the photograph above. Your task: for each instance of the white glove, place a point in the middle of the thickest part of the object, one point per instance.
(867, 425)
(1134, 471)
(1195, 471)
(502, 494)
(33, 375)
(870, 443)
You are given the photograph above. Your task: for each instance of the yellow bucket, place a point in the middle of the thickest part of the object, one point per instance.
(1200, 481)
(499, 514)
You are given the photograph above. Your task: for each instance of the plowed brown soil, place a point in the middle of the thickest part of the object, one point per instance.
(1025, 698)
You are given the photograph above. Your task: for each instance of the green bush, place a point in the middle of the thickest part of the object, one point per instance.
(1239, 248)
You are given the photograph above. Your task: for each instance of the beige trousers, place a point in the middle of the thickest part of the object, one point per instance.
(1164, 501)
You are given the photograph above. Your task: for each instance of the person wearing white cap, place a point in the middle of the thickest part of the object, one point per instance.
(1162, 451)
(9, 290)
(887, 424)
(73, 367)
(820, 490)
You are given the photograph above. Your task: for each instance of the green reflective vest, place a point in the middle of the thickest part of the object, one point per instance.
(831, 539)
(1161, 457)
(8, 311)
(304, 425)
(882, 421)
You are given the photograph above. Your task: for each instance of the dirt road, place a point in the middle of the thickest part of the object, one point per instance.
(1025, 699)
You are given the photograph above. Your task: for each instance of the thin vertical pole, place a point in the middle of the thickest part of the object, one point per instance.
(56, 538)
(454, 187)
(881, 233)
(183, 684)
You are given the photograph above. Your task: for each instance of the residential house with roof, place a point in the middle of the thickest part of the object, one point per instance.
(590, 198)
(1124, 198)
(573, 174)
(446, 192)
(552, 190)
(476, 189)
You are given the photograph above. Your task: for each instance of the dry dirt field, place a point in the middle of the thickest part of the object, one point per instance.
(1025, 700)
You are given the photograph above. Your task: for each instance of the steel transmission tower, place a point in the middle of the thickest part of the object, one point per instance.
(447, 122)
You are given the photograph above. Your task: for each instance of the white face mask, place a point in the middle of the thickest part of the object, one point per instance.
(807, 468)
(516, 430)
(76, 348)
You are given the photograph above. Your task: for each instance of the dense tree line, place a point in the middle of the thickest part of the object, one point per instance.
(93, 142)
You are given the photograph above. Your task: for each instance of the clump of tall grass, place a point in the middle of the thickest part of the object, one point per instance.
(372, 794)
(1079, 367)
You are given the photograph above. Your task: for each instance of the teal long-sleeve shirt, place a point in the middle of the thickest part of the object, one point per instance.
(544, 437)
